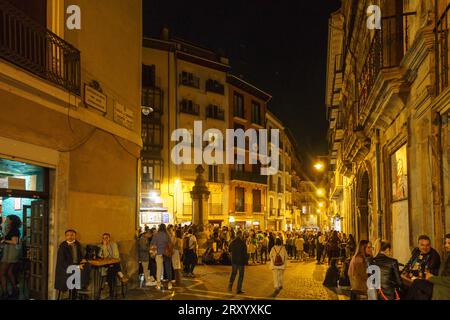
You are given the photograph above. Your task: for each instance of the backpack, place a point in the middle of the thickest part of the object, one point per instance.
(278, 260)
(186, 242)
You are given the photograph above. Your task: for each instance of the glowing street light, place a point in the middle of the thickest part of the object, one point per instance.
(177, 181)
(320, 192)
(321, 204)
(319, 166)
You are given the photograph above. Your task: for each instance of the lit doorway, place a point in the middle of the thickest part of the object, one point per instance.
(24, 192)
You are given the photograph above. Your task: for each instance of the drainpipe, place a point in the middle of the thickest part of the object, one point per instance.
(379, 208)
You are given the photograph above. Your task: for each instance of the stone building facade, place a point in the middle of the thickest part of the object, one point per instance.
(387, 105)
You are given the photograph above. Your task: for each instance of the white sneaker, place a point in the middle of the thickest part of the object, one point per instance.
(150, 283)
(158, 286)
(169, 286)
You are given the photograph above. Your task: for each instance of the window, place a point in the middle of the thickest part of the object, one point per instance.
(148, 76)
(240, 193)
(188, 106)
(151, 135)
(257, 201)
(215, 112)
(188, 79)
(256, 113)
(151, 174)
(214, 174)
(238, 105)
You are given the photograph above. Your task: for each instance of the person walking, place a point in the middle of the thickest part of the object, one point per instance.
(278, 260)
(163, 244)
(239, 257)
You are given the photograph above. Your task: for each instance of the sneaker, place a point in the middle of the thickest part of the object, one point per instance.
(169, 286)
(158, 286)
(240, 292)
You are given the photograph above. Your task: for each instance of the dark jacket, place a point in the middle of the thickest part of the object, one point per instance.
(238, 250)
(390, 275)
(441, 283)
(63, 261)
(431, 260)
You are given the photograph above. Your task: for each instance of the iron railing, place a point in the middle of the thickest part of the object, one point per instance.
(214, 86)
(386, 51)
(248, 176)
(187, 106)
(215, 112)
(32, 47)
(442, 42)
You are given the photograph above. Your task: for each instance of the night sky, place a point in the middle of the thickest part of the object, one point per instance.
(279, 46)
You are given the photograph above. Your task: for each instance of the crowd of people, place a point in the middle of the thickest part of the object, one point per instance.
(167, 253)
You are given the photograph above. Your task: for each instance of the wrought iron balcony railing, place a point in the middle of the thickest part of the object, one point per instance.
(32, 47)
(248, 176)
(187, 106)
(215, 86)
(215, 112)
(386, 51)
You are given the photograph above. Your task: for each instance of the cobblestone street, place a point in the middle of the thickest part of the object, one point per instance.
(303, 281)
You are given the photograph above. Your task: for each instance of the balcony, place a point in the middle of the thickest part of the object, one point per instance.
(187, 106)
(248, 208)
(248, 176)
(386, 51)
(189, 80)
(215, 86)
(32, 47)
(215, 112)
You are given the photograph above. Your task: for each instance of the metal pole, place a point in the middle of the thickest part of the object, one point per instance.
(379, 208)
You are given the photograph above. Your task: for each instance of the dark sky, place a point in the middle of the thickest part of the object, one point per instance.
(280, 46)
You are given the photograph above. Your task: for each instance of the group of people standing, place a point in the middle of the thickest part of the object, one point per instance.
(165, 253)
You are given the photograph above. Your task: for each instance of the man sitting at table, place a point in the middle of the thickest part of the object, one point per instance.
(424, 259)
(110, 250)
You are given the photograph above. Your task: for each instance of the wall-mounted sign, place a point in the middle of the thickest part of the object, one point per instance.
(94, 98)
(124, 116)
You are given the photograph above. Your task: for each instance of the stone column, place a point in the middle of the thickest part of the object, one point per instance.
(200, 195)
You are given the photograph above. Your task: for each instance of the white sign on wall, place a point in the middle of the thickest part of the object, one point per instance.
(94, 98)
(123, 116)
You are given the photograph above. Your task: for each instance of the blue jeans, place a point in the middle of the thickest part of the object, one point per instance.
(234, 270)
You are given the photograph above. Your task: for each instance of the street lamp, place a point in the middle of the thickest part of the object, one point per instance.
(321, 204)
(319, 166)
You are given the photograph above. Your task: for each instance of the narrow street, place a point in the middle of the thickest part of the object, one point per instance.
(303, 281)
